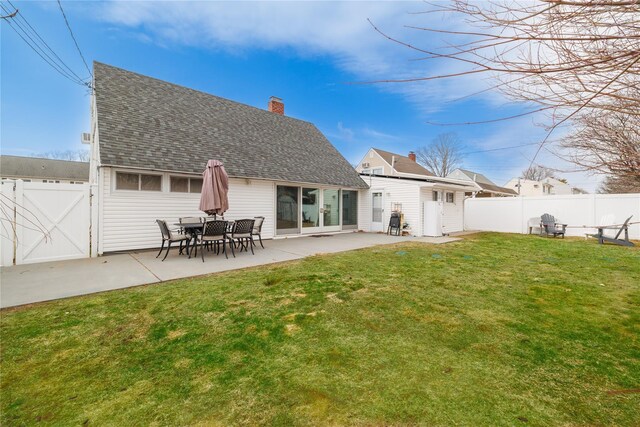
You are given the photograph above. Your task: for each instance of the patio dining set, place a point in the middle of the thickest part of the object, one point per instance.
(211, 234)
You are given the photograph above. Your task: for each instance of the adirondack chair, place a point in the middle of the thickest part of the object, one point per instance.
(602, 239)
(549, 226)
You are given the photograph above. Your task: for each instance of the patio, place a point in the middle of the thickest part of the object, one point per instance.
(25, 284)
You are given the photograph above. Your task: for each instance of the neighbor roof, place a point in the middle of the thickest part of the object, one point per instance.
(148, 123)
(403, 164)
(477, 177)
(37, 168)
(485, 183)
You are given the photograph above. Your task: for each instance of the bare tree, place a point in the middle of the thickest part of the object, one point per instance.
(607, 143)
(537, 173)
(443, 155)
(570, 59)
(620, 185)
(79, 155)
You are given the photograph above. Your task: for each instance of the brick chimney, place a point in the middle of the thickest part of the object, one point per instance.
(276, 105)
(412, 156)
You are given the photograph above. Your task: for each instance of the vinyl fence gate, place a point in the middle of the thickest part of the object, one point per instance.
(44, 222)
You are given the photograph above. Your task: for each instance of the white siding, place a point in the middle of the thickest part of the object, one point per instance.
(394, 191)
(127, 218)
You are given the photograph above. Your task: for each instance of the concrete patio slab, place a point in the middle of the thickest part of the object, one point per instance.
(25, 284)
(31, 283)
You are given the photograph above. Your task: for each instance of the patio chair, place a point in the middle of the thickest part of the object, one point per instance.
(549, 226)
(242, 234)
(257, 229)
(170, 237)
(616, 240)
(214, 233)
(394, 224)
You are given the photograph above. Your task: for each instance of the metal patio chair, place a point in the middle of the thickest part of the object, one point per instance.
(214, 233)
(242, 234)
(257, 229)
(170, 237)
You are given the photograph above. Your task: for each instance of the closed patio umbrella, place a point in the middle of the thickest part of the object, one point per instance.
(215, 187)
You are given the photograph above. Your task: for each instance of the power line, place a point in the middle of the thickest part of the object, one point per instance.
(500, 148)
(56, 63)
(34, 32)
(74, 38)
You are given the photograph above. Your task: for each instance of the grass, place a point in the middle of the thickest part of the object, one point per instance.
(492, 330)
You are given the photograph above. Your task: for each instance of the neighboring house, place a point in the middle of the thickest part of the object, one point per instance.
(151, 141)
(484, 186)
(430, 205)
(35, 169)
(545, 187)
(380, 162)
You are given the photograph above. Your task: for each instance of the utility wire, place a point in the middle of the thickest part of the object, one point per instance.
(33, 30)
(500, 148)
(58, 65)
(66, 21)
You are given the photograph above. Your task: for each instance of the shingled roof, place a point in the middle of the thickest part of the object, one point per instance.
(485, 183)
(148, 123)
(403, 164)
(39, 168)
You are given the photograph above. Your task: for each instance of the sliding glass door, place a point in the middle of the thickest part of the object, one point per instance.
(313, 210)
(287, 210)
(349, 209)
(331, 210)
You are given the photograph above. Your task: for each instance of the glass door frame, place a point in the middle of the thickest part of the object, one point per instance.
(331, 228)
(311, 230)
(375, 228)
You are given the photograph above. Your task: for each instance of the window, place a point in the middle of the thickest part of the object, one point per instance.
(449, 198)
(179, 184)
(182, 184)
(367, 171)
(377, 171)
(434, 196)
(138, 181)
(195, 185)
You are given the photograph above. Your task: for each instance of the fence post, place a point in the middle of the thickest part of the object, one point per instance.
(18, 203)
(523, 220)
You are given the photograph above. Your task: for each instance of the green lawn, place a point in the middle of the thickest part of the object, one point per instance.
(492, 330)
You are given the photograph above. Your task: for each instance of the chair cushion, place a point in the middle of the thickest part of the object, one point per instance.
(241, 236)
(211, 238)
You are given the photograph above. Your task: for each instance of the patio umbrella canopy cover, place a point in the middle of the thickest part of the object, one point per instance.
(215, 188)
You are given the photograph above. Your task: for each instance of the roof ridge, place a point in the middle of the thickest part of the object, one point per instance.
(197, 91)
(390, 152)
(42, 158)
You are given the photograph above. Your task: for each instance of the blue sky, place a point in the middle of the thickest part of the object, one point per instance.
(304, 52)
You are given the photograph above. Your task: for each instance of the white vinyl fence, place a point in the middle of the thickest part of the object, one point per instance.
(44, 222)
(580, 211)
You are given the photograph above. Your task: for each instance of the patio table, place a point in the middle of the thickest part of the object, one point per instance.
(192, 228)
(195, 227)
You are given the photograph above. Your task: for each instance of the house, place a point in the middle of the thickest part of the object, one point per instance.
(545, 187)
(380, 162)
(150, 142)
(35, 169)
(428, 205)
(484, 186)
